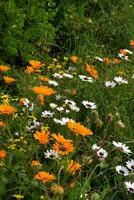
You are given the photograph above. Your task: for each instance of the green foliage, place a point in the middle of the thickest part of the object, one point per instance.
(25, 30)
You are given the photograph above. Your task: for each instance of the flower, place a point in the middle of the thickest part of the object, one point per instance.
(95, 147)
(51, 154)
(116, 61)
(36, 163)
(68, 75)
(35, 125)
(8, 80)
(107, 60)
(120, 80)
(18, 196)
(53, 105)
(57, 75)
(98, 58)
(89, 104)
(46, 91)
(86, 78)
(44, 177)
(47, 114)
(70, 102)
(130, 164)
(122, 170)
(78, 129)
(110, 84)
(4, 68)
(92, 71)
(57, 189)
(43, 78)
(122, 147)
(120, 124)
(132, 43)
(35, 64)
(3, 153)
(42, 136)
(7, 109)
(73, 167)
(74, 59)
(102, 153)
(129, 186)
(52, 82)
(62, 122)
(29, 70)
(62, 146)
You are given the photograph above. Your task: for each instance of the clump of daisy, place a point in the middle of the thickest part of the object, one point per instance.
(47, 114)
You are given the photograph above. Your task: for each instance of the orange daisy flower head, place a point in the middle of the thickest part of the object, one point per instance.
(73, 167)
(74, 59)
(7, 109)
(92, 71)
(107, 60)
(78, 129)
(8, 80)
(44, 177)
(35, 64)
(4, 68)
(44, 90)
(36, 163)
(60, 138)
(42, 137)
(43, 78)
(123, 52)
(57, 189)
(116, 61)
(3, 153)
(29, 70)
(63, 148)
(132, 43)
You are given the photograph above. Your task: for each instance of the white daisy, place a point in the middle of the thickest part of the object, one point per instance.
(86, 78)
(68, 75)
(130, 164)
(35, 125)
(53, 105)
(70, 102)
(95, 147)
(89, 104)
(71, 69)
(122, 147)
(60, 108)
(62, 122)
(98, 58)
(47, 114)
(102, 153)
(57, 75)
(110, 84)
(129, 186)
(74, 108)
(122, 170)
(120, 80)
(51, 154)
(52, 82)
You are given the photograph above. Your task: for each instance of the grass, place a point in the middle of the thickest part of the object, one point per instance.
(92, 173)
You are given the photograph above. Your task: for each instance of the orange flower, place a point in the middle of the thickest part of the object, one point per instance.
(123, 52)
(63, 149)
(8, 80)
(7, 109)
(74, 59)
(78, 129)
(107, 60)
(46, 91)
(3, 153)
(62, 145)
(43, 78)
(30, 70)
(2, 123)
(92, 71)
(35, 64)
(73, 167)
(57, 189)
(132, 43)
(60, 138)
(4, 68)
(42, 136)
(116, 61)
(44, 177)
(22, 101)
(36, 163)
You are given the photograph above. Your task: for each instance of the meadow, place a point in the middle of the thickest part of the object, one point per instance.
(66, 128)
